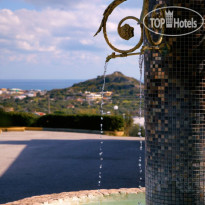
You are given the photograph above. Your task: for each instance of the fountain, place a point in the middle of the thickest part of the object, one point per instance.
(174, 60)
(174, 96)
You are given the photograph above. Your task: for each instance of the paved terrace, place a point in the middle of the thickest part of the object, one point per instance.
(37, 163)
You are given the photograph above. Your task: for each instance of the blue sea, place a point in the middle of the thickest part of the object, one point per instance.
(38, 84)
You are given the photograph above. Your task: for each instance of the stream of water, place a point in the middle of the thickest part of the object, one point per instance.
(141, 60)
(101, 130)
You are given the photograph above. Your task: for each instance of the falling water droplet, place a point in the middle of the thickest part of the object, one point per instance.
(101, 132)
(141, 59)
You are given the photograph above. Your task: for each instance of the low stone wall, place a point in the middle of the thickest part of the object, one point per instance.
(17, 129)
(75, 198)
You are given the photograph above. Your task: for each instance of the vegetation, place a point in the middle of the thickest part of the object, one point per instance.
(70, 107)
(134, 131)
(8, 119)
(87, 122)
(72, 100)
(116, 82)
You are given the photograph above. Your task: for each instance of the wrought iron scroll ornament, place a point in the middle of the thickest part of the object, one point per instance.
(126, 32)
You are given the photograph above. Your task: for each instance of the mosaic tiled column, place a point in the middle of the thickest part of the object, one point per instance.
(175, 118)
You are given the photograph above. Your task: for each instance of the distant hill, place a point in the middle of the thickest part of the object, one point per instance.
(73, 100)
(117, 82)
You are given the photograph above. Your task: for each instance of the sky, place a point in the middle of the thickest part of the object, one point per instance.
(53, 39)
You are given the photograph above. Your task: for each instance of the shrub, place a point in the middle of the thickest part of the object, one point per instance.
(133, 131)
(128, 123)
(89, 122)
(8, 119)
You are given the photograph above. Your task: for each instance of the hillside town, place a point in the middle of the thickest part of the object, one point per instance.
(84, 97)
(16, 93)
(20, 94)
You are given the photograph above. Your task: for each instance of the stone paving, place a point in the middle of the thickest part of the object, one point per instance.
(39, 163)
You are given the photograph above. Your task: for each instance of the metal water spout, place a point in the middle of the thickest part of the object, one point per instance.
(126, 32)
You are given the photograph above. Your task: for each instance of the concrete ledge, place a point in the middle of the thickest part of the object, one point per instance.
(34, 128)
(74, 198)
(14, 129)
(115, 133)
(111, 133)
(71, 130)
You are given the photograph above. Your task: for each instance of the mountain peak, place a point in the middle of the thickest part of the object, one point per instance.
(116, 82)
(117, 73)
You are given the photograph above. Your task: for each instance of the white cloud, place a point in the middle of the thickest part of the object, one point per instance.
(55, 36)
(64, 4)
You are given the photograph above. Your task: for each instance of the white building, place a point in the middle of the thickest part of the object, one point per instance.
(20, 97)
(93, 97)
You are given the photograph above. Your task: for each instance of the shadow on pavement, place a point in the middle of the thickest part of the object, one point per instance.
(54, 166)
